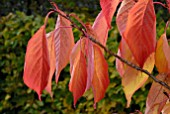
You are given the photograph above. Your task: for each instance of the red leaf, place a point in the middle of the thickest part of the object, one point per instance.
(64, 42)
(51, 49)
(102, 23)
(100, 80)
(140, 33)
(36, 69)
(156, 98)
(162, 55)
(122, 15)
(78, 70)
(132, 79)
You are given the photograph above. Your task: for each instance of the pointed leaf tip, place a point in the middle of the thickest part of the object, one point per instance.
(36, 68)
(78, 70)
(64, 42)
(140, 33)
(100, 80)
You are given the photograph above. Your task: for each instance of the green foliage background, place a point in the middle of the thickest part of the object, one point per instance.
(16, 29)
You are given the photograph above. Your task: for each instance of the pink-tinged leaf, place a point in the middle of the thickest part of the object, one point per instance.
(78, 70)
(140, 33)
(102, 23)
(51, 49)
(100, 80)
(122, 15)
(64, 42)
(90, 63)
(37, 66)
(132, 79)
(162, 55)
(156, 98)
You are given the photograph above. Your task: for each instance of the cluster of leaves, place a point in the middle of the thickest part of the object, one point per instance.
(17, 98)
(136, 21)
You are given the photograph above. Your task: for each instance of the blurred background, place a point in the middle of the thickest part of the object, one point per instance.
(19, 20)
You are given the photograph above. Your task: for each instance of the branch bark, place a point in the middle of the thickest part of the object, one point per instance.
(112, 53)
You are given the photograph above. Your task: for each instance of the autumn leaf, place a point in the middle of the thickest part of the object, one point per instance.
(162, 55)
(132, 79)
(122, 15)
(156, 99)
(102, 23)
(64, 42)
(90, 63)
(37, 66)
(78, 70)
(140, 33)
(51, 49)
(100, 80)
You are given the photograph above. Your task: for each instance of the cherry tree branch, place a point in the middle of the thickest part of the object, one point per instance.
(112, 53)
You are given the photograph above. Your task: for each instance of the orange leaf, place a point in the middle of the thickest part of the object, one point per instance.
(140, 33)
(36, 69)
(122, 15)
(52, 56)
(100, 80)
(64, 42)
(78, 70)
(156, 98)
(162, 55)
(132, 79)
(102, 23)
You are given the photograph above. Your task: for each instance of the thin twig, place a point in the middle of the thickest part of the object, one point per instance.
(164, 5)
(114, 54)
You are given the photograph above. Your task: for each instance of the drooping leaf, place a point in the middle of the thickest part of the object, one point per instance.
(90, 63)
(64, 42)
(132, 79)
(100, 80)
(156, 98)
(52, 56)
(78, 70)
(102, 23)
(37, 66)
(122, 15)
(162, 55)
(140, 33)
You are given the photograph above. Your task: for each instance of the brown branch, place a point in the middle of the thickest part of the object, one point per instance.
(114, 54)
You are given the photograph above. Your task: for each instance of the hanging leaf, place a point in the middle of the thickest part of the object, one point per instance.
(51, 49)
(100, 80)
(64, 42)
(162, 55)
(140, 33)
(132, 79)
(37, 66)
(90, 63)
(122, 15)
(78, 70)
(156, 99)
(102, 23)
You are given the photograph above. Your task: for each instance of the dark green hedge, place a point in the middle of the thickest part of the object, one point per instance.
(15, 31)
